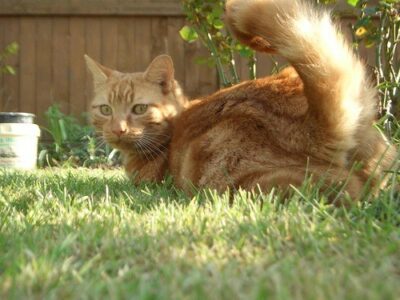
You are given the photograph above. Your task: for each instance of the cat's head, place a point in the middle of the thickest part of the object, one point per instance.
(133, 110)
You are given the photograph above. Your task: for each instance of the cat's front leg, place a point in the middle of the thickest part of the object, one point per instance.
(140, 168)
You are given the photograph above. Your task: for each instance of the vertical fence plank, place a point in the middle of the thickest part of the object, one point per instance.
(3, 24)
(43, 74)
(143, 40)
(109, 42)
(77, 73)
(126, 45)
(159, 36)
(93, 49)
(61, 62)
(27, 63)
(176, 49)
(192, 69)
(133, 42)
(11, 82)
(265, 64)
(207, 81)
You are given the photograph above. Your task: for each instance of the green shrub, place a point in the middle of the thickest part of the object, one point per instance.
(72, 144)
(378, 26)
(205, 24)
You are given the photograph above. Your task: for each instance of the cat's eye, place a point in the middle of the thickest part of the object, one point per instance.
(139, 109)
(106, 110)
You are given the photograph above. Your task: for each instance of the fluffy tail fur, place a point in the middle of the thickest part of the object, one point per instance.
(340, 96)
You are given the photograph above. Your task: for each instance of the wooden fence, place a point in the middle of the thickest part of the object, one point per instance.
(53, 36)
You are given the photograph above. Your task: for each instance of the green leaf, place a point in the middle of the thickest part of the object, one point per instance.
(63, 130)
(12, 48)
(218, 24)
(246, 52)
(188, 34)
(353, 2)
(9, 70)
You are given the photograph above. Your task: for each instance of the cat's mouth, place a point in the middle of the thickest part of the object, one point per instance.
(122, 143)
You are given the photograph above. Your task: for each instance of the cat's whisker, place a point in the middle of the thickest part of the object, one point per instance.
(155, 145)
(156, 148)
(149, 151)
(153, 151)
(157, 134)
(147, 146)
(141, 150)
(145, 150)
(159, 139)
(155, 141)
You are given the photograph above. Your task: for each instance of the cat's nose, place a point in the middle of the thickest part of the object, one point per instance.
(120, 131)
(119, 127)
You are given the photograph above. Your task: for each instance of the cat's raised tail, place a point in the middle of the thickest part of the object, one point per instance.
(340, 96)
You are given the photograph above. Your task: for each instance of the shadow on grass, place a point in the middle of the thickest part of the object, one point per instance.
(21, 190)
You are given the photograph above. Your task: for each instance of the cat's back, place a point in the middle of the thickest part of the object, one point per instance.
(254, 121)
(274, 97)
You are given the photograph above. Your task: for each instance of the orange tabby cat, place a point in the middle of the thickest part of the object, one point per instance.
(314, 118)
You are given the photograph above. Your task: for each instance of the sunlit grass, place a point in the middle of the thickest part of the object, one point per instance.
(90, 234)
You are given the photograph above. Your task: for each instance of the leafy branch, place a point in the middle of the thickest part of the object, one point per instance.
(11, 49)
(384, 35)
(205, 24)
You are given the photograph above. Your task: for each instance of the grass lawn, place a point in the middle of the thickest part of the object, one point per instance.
(89, 234)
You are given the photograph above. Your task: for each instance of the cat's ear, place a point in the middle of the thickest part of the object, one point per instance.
(99, 73)
(161, 71)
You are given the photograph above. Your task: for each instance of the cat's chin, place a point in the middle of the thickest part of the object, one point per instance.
(121, 145)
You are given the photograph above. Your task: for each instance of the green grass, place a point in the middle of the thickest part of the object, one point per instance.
(84, 234)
